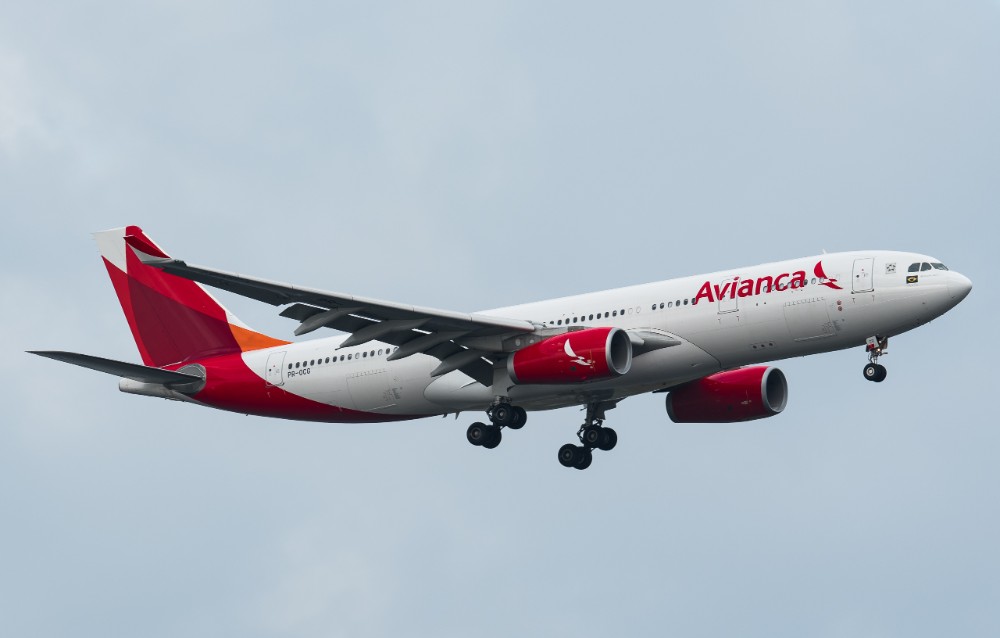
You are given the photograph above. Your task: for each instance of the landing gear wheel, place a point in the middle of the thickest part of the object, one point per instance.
(591, 436)
(880, 373)
(478, 433)
(609, 439)
(586, 460)
(502, 415)
(871, 372)
(570, 455)
(495, 436)
(520, 418)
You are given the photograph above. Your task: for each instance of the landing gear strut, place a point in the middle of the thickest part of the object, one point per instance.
(876, 347)
(592, 434)
(502, 415)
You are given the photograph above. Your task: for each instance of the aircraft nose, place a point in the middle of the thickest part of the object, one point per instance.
(959, 286)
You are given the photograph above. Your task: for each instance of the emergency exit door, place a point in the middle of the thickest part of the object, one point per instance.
(275, 368)
(864, 275)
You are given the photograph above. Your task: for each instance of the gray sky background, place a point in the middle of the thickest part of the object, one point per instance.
(474, 155)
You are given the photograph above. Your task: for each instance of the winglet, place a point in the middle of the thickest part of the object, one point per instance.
(135, 238)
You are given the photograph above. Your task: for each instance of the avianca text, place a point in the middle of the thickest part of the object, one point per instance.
(749, 287)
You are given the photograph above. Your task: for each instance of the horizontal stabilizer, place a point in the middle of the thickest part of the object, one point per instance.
(133, 371)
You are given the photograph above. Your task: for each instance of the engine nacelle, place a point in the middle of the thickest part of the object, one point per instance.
(573, 357)
(727, 397)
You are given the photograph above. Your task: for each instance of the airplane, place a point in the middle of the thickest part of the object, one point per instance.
(702, 340)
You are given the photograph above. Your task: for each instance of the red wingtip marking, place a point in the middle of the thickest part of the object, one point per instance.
(136, 239)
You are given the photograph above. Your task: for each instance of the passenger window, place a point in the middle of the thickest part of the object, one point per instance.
(591, 318)
(661, 305)
(614, 314)
(685, 302)
(623, 311)
(348, 357)
(380, 352)
(341, 357)
(605, 315)
(373, 353)
(678, 302)
(913, 268)
(289, 366)
(925, 266)
(670, 304)
(296, 364)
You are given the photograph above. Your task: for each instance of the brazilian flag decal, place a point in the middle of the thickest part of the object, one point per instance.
(911, 279)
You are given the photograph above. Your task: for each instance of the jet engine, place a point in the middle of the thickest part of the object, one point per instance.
(727, 397)
(573, 357)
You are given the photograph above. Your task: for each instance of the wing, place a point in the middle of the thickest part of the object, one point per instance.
(471, 343)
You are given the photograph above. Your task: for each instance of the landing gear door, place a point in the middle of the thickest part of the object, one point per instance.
(863, 274)
(275, 368)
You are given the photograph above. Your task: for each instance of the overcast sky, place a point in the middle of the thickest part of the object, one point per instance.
(468, 155)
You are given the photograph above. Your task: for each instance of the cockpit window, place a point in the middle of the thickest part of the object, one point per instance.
(925, 266)
(913, 268)
(939, 266)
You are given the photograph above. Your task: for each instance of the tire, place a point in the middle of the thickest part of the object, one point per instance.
(477, 433)
(871, 372)
(584, 463)
(570, 455)
(591, 436)
(494, 437)
(502, 415)
(609, 439)
(520, 418)
(880, 374)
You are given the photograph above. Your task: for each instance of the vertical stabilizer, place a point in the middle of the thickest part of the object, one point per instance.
(172, 319)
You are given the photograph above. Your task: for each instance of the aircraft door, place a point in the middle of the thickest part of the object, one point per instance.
(275, 374)
(728, 301)
(863, 274)
(728, 305)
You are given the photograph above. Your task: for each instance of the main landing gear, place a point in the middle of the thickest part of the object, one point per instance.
(876, 347)
(502, 415)
(592, 434)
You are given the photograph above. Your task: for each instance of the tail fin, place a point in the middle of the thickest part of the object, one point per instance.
(172, 319)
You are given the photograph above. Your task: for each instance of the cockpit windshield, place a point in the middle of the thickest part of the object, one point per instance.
(923, 266)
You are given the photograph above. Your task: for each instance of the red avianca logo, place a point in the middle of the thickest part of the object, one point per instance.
(749, 287)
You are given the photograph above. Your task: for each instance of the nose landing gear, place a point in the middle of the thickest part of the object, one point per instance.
(876, 347)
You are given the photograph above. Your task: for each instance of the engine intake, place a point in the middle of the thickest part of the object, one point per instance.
(727, 397)
(573, 357)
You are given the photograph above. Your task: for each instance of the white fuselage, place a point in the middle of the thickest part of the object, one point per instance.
(723, 320)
